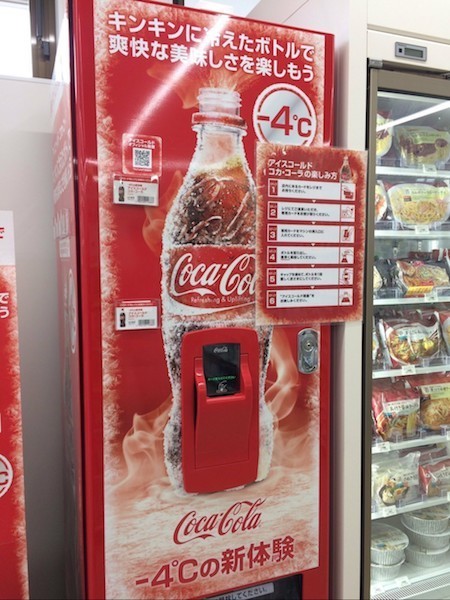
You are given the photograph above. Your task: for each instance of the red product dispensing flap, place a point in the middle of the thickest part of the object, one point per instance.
(220, 395)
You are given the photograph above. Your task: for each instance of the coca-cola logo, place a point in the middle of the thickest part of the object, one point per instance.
(240, 516)
(236, 276)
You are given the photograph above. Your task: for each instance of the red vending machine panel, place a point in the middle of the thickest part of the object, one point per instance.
(13, 541)
(201, 473)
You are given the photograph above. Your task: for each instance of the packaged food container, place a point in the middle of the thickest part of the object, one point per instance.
(426, 558)
(395, 409)
(384, 136)
(422, 145)
(385, 572)
(387, 545)
(427, 520)
(428, 541)
(419, 277)
(411, 337)
(418, 204)
(381, 203)
(435, 401)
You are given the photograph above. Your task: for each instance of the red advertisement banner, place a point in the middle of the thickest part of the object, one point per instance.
(13, 545)
(181, 98)
(310, 234)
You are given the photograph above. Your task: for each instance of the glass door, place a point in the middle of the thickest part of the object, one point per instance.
(407, 339)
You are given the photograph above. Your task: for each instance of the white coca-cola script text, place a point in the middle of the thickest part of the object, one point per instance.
(223, 279)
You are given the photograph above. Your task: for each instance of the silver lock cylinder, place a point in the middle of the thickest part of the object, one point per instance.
(308, 351)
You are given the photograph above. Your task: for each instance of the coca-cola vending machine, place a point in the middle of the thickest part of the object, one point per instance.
(204, 463)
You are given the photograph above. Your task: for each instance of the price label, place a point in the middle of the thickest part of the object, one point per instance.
(137, 314)
(422, 229)
(448, 435)
(431, 169)
(432, 296)
(409, 370)
(448, 496)
(127, 191)
(402, 581)
(382, 447)
(389, 511)
(378, 588)
(283, 114)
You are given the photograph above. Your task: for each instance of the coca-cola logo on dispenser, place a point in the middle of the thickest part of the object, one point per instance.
(215, 278)
(241, 516)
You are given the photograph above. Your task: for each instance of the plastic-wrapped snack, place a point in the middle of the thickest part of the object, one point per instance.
(422, 145)
(376, 351)
(381, 202)
(435, 477)
(416, 277)
(382, 274)
(396, 482)
(432, 453)
(418, 204)
(437, 255)
(384, 136)
(423, 379)
(444, 317)
(395, 409)
(412, 339)
(435, 406)
(377, 279)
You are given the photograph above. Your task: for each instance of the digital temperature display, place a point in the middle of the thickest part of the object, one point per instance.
(410, 51)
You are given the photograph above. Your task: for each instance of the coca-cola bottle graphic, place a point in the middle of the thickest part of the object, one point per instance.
(346, 174)
(208, 256)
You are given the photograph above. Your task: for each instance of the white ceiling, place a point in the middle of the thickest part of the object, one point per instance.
(240, 8)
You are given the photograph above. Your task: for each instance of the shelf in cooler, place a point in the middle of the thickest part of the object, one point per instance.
(412, 582)
(410, 370)
(382, 447)
(391, 511)
(410, 234)
(410, 172)
(432, 299)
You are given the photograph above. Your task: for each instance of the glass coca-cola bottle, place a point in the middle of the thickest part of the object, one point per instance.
(208, 256)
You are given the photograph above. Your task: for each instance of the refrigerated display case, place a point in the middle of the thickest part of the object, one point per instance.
(407, 344)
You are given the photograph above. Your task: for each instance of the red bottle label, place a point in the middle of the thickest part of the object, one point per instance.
(211, 278)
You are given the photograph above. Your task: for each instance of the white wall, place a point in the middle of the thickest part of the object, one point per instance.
(424, 20)
(26, 181)
(346, 20)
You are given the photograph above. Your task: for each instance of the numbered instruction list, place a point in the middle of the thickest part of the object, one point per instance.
(310, 234)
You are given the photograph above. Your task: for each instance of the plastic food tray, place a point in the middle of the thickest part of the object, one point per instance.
(429, 541)
(385, 572)
(419, 204)
(426, 558)
(420, 521)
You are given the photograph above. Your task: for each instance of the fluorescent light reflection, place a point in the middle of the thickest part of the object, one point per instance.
(417, 115)
(158, 98)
